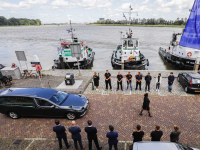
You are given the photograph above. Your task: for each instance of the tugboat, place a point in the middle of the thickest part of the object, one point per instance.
(65, 59)
(182, 55)
(127, 55)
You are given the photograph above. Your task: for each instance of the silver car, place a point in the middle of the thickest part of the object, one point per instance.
(151, 145)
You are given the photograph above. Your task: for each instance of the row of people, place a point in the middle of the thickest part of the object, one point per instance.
(112, 135)
(138, 77)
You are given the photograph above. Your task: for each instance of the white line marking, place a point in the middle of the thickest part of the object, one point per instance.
(29, 145)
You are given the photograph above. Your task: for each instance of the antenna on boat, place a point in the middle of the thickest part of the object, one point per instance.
(130, 16)
(71, 29)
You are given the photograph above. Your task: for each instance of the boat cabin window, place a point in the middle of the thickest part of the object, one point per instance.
(130, 43)
(65, 46)
(124, 43)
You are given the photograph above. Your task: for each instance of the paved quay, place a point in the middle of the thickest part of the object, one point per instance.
(120, 109)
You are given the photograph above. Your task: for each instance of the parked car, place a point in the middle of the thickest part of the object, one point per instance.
(152, 145)
(190, 81)
(16, 102)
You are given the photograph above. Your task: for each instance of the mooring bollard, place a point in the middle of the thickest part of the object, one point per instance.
(92, 86)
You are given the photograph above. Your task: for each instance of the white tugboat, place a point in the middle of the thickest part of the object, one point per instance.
(182, 55)
(65, 59)
(127, 55)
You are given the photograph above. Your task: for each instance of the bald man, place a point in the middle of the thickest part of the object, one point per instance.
(76, 136)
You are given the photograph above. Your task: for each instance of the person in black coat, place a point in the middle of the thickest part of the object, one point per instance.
(96, 81)
(138, 81)
(92, 135)
(145, 105)
(60, 134)
(148, 81)
(76, 136)
(174, 136)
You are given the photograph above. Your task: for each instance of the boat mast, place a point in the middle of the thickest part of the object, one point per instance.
(130, 16)
(71, 29)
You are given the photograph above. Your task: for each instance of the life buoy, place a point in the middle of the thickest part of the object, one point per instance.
(189, 54)
(176, 42)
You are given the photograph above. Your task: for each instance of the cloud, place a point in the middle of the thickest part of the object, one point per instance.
(13, 12)
(145, 2)
(87, 4)
(178, 4)
(27, 4)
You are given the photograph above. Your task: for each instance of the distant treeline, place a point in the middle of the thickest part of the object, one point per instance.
(145, 21)
(18, 21)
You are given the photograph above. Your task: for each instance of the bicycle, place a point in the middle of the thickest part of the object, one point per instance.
(28, 74)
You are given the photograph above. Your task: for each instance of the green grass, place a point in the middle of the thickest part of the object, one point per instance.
(138, 25)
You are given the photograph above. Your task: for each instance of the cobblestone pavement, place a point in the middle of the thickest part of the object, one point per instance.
(119, 110)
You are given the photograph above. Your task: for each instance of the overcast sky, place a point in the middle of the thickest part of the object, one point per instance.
(80, 11)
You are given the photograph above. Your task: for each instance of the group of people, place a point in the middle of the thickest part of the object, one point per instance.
(138, 77)
(111, 135)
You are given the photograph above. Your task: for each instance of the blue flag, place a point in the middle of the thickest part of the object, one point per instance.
(69, 31)
(124, 16)
(191, 34)
(59, 49)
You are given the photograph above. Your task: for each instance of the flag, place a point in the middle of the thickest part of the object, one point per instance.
(124, 16)
(135, 51)
(191, 34)
(59, 48)
(69, 31)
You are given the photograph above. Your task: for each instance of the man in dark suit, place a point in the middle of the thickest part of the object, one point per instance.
(112, 138)
(76, 136)
(60, 134)
(92, 135)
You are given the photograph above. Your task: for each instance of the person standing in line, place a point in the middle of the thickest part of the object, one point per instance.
(174, 136)
(112, 138)
(170, 81)
(157, 134)
(108, 80)
(60, 134)
(138, 135)
(92, 135)
(129, 80)
(96, 81)
(38, 69)
(145, 105)
(158, 81)
(119, 81)
(148, 81)
(76, 136)
(138, 80)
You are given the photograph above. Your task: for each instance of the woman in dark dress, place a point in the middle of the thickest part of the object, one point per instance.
(145, 105)
(96, 81)
(174, 136)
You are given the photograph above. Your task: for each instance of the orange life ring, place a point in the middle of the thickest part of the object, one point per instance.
(176, 42)
(189, 54)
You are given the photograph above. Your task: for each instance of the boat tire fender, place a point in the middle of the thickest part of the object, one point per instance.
(181, 65)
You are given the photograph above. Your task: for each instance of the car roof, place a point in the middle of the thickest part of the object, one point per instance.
(153, 145)
(193, 74)
(37, 92)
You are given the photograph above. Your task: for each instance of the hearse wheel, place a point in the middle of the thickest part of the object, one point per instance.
(13, 115)
(178, 79)
(70, 116)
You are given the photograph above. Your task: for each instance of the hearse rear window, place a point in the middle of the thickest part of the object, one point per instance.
(20, 101)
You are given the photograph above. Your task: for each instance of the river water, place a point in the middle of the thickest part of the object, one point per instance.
(44, 40)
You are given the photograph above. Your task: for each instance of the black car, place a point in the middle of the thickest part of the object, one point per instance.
(16, 102)
(190, 81)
